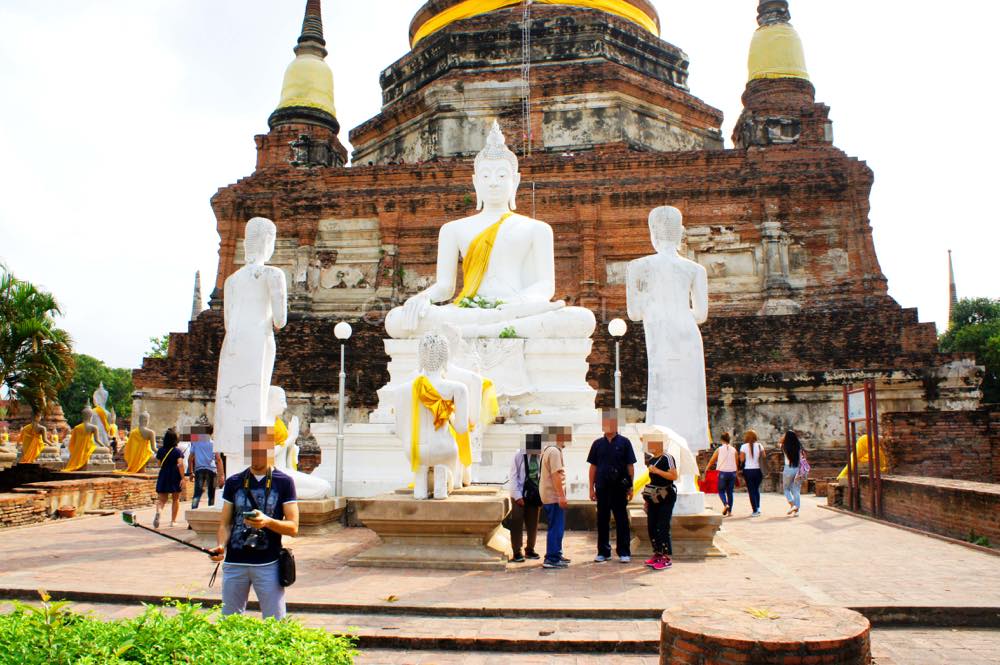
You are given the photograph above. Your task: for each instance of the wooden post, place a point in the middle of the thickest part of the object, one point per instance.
(850, 466)
(878, 453)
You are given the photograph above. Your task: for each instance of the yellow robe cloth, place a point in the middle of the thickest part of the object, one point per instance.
(81, 447)
(137, 452)
(426, 395)
(32, 443)
(103, 415)
(469, 8)
(477, 259)
(281, 437)
(861, 454)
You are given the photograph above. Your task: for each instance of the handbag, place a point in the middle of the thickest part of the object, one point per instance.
(804, 466)
(531, 494)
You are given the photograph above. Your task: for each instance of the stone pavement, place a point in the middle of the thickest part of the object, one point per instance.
(824, 557)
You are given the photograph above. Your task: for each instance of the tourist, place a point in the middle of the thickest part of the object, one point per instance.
(170, 479)
(752, 457)
(552, 489)
(524, 492)
(259, 507)
(612, 475)
(204, 463)
(792, 449)
(724, 459)
(659, 497)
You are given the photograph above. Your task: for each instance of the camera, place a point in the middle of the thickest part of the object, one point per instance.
(255, 540)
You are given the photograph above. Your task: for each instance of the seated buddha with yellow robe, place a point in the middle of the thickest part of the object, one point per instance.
(508, 267)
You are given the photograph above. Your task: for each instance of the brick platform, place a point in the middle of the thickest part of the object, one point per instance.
(779, 633)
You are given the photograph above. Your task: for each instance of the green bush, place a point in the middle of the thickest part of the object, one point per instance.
(55, 635)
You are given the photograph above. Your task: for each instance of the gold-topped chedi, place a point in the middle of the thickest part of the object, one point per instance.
(776, 50)
(438, 14)
(307, 88)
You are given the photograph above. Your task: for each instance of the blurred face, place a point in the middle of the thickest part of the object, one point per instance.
(259, 447)
(654, 446)
(495, 182)
(609, 423)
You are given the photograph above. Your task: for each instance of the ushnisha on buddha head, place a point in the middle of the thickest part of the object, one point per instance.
(258, 240)
(496, 175)
(666, 228)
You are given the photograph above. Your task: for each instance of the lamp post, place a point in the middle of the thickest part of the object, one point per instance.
(341, 331)
(617, 328)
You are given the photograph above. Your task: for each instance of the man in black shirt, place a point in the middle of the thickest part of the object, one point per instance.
(612, 474)
(259, 507)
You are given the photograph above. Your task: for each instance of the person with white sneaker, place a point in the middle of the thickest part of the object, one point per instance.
(552, 488)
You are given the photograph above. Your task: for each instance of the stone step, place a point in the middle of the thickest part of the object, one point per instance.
(425, 632)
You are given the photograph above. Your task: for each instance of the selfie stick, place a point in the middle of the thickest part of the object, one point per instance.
(129, 518)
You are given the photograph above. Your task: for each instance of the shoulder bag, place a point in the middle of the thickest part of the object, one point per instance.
(531, 494)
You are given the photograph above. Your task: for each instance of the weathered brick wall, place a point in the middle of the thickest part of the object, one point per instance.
(953, 508)
(17, 509)
(964, 445)
(36, 502)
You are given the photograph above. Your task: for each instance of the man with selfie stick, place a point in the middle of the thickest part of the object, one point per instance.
(259, 507)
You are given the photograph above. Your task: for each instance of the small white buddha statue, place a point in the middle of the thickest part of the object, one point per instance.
(101, 416)
(427, 409)
(307, 486)
(255, 305)
(508, 267)
(669, 294)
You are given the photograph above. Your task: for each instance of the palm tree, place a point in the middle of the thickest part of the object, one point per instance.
(36, 357)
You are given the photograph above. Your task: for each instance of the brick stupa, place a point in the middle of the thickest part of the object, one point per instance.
(799, 303)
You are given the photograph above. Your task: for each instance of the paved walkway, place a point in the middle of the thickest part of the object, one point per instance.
(821, 556)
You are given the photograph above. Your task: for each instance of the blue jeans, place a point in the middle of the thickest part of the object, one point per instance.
(236, 583)
(727, 482)
(556, 517)
(792, 485)
(754, 478)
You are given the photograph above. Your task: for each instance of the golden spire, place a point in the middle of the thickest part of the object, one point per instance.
(776, 50)
(307, 89)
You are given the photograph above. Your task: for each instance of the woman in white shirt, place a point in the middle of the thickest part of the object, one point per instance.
(724, 459)
(751, 454)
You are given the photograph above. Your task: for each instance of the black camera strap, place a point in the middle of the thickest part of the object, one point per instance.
(267, 491)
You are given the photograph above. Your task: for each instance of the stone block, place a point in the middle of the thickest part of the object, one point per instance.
(321, 516)
(463, 532)
(692, 536)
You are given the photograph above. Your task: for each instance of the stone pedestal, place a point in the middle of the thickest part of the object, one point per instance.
(460, 533)
(768, 632)
(101, 460)
(8, 456)
(692, 536)
(321, 516)
(49, 458)
(317, 517)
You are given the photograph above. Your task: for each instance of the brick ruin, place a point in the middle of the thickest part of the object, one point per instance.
(799, 304)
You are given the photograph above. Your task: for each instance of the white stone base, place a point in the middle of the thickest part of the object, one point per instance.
(690, 503)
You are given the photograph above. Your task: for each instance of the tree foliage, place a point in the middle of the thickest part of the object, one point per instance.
(90, 373)
(975, 328)
(158, 346)
(36, 357)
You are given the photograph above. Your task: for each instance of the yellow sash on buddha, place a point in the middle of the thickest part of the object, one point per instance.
(281, 437)
(81, 447)
(137, 452)
(104, 419)
(425, 394)
(31, 444)
(490, 406)
(477, 259)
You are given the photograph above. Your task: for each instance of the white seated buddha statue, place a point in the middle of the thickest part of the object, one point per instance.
(307, 486)
(508, 267)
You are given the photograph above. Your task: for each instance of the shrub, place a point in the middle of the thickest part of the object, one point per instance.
(55, 635)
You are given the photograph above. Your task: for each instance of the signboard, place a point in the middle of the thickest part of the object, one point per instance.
(856, 406)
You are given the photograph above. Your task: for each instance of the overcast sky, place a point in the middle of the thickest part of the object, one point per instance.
(120, 118)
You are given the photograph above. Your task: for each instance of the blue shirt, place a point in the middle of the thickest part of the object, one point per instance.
(612, 459)
(282, 491)
(204, 455)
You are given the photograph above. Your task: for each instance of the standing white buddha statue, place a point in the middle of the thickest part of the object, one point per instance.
(255, 305)
(507, 258)
(669, 294)
(307, 486)
(427, 409)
